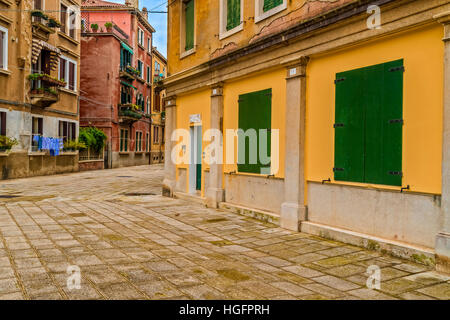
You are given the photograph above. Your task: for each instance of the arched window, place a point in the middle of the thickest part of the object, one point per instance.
(148, 105)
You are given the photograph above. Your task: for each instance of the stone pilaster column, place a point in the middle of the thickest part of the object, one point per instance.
(443, 238)
(169, 166)
(215, 193)
(293, 209)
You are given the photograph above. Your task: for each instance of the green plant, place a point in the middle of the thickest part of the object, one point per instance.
(53, 22)
(131, 114)
(108, 25)
(93, 138)
(6, 143)
(44, 76)
(39, 13)
(94, 26)
(74, 145)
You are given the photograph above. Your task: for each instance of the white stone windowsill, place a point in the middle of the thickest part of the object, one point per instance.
(226, 34)
(5, 72)
(271, 12)
(187, 53)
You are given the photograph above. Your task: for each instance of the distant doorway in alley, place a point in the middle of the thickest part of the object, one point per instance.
(195, 167)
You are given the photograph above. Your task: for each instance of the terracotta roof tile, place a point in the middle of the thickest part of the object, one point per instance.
(101, 3)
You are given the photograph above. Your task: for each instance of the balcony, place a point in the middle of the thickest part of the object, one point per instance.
(157, 78)
(42, 25)
(128, 72)
(44, 89)
(129, 113)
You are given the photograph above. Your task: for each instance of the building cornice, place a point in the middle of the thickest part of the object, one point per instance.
(275, 50)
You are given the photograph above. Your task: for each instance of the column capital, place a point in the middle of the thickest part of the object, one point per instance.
(296, 67)
(217, 89)
(443, 17)
(170, 101)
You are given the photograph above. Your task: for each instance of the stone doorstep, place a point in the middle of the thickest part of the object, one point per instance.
(265, 216)
(190, 197)
(398, 249)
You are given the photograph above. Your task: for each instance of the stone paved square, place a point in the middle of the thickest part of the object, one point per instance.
(152, 247)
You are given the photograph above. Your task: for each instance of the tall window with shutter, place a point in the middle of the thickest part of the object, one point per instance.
(270, 4)
(72, 17)
(189, 24)
(255, 114)
(2, 123)
(63, 18)
(62, 69)
(369, 124)
(72, 72)
(3, 48)
(233, 14)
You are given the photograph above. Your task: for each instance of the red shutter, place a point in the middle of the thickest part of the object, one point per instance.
(40, 126)
(71, 76)
(65, 125)
(37, 4)
(3, 123)
(62, 69)
(63, 18)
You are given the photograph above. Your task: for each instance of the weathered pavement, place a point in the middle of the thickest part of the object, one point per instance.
(131, 243)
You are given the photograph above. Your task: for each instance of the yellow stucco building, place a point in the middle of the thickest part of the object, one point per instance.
(355, 97)
(159, 72)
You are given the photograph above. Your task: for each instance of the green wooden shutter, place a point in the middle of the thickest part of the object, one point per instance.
(384, 123)
(349, 127)
(255, 112)
(233, 13)
(270, 4)
(368, 129)
(189, 24)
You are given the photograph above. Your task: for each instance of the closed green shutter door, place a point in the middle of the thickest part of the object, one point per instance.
(189, 27)
(384, 124)
(233, 13)
(270, 4)
(349, 127)
(373, 98)
(255, 112)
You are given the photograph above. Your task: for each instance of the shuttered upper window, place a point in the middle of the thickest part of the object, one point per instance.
(189, 24)
(68, 72)
(255, 114)
(368, 128)
(3, 48)
(270, 4)
(233, 14)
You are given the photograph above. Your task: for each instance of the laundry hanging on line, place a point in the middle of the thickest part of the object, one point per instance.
(54, 145)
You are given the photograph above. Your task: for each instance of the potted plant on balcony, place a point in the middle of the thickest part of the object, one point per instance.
(47, 79)
(39, 14)
(53, 22)
(94, 27)
(108, 26)
(6, 143)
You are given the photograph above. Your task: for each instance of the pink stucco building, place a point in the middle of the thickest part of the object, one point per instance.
(116, 81)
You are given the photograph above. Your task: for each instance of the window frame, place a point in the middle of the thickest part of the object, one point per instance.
(223, 32)
(141, 37)
(149, 78)
(155, 135)
(140, 67)
(3, 124)
(138, 141)
(67, 72)
(5, 48)
(183, 51)
(260, 15)
(121, 144)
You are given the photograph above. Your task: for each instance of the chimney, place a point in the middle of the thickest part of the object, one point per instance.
(145, 13)
(132, 3)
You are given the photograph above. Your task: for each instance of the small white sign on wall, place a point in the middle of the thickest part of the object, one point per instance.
(195, 118)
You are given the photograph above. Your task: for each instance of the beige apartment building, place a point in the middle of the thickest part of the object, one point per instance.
(39, 83)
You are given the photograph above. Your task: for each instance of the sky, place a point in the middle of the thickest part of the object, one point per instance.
(157, 20)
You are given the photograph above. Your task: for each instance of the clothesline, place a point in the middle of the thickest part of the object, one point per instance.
(54, 145)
